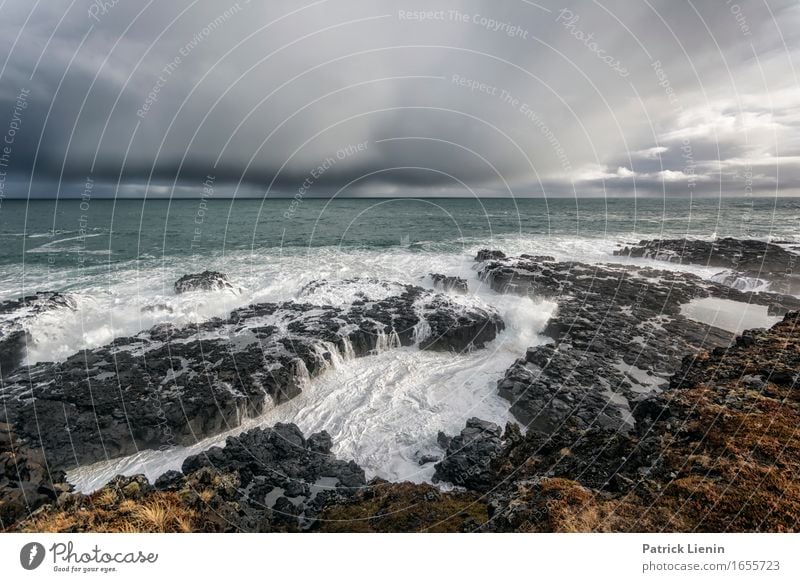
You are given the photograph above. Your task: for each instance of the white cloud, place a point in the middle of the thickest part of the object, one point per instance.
(653, 153)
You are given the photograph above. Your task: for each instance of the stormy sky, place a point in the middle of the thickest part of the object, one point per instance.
(391, 98)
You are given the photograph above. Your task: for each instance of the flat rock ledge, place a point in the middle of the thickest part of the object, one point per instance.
(748, 262)
(618, 335)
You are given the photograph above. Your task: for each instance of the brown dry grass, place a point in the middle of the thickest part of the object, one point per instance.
(406, 507)
(158, 512)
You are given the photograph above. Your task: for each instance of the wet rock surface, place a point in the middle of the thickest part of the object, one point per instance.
(13, 348)
(35, 304)
(618, 334)
(746, 259)
(449, 283)
(709, 454)
(283, 477)
(174, 386)
(468, 456)
(205, 281)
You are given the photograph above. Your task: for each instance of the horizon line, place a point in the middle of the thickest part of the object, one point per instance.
(399, 197)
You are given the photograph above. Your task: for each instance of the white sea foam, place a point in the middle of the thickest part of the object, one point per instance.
(742, 283)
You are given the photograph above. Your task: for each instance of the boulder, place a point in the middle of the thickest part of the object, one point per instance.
(489, 255)
(468, 457)
(449, 283)
(205, 281)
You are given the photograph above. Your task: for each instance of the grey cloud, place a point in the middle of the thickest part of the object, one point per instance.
(261, 95)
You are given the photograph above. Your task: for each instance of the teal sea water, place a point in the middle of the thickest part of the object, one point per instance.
(68, 234)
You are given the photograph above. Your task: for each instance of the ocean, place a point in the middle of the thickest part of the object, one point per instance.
(119, 260)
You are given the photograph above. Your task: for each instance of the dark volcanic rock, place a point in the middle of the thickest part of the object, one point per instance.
(468, 457)
(169, 481)
(412, 315)
(283, 477)
(173, 386)
(205, 281)
(618, 334)
(15, 318)
(710, 453)
(755, 359)
(35, 304)
(25, 481)
(448, 283)
(489, 255)
(538, 258)
(279, 457)
(448, 327)
(747, 259)
(13, 347)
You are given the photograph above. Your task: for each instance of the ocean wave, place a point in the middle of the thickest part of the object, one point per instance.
(51, 246)
(51, 233)
(70, 250)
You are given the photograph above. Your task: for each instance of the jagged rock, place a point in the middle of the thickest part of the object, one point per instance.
(754, 360)
(468, 457)
(271, 479)
(538, 258)
(205, 281)
(320, 443)
(709, 454)
(489, 255)
(169, 481)
(279, 455)
(280, 459)
(449, 283)
(42, 302)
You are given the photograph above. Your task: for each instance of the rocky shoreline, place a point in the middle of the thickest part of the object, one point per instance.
(636, 417)
(171, 386)
(747, 262)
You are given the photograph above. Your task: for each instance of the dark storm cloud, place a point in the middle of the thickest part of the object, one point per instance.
(392, 98)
